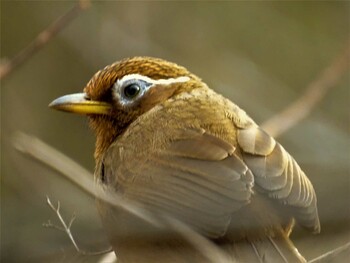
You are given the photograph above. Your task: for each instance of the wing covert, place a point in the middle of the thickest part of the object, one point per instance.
(196, 179)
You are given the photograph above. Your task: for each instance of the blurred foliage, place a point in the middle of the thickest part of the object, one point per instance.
(261, 55)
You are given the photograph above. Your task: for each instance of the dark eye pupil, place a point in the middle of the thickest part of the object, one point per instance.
(131, 91)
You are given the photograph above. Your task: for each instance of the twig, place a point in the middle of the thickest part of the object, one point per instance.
(79, 176)
(43, 38)
(54, 159)
(335, 255)
(313, 94)
(57, 161)
(67, 229)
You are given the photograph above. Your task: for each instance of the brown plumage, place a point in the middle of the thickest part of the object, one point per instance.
(174, 147)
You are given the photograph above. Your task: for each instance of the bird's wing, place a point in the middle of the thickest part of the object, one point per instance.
(202, 180)
(197, 179)
(277, 175)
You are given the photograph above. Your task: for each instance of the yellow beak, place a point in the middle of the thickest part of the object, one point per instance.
(78, 103)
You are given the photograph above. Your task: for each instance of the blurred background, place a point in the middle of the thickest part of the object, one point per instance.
(261, 55)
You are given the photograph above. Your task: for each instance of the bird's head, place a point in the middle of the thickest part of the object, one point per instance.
(118, 94)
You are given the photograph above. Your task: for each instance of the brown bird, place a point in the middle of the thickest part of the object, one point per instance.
(172, 146)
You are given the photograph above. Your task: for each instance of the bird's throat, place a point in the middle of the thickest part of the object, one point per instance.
(107, 129)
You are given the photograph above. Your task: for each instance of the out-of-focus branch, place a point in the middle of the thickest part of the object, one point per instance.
(340, 254)
(72, 171)
(43, 38)
(54, 159)
(67, 229)
(313, 94)
(82, 178)
(57, 161)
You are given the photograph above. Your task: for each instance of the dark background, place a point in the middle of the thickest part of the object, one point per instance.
(262, 55)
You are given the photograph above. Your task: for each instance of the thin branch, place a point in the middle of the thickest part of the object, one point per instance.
(43, 38)
(54, 159)
(79, 176)
(67, 229)
(313, 94)
(337, 255)
(57, 161)
(72, 171)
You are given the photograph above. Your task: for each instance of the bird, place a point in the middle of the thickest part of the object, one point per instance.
(179, 151)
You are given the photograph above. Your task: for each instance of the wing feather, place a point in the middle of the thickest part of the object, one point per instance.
(197, 179)
(278, 175)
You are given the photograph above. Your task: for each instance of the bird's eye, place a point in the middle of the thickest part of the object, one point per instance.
(132, 90)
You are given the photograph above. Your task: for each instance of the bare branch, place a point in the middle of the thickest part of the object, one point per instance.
(43, 38)
(67, 229)
(340, 254)
(82, 178)
(313, 94)
(57, 161)
(44, 153)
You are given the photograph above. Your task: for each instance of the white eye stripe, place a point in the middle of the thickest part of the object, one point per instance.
(120, 84)
(152, 81)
